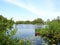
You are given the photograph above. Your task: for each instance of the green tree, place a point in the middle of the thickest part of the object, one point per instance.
(54, 30)
(5, 25)
(51, 32)
(27, 22)
(38, 21)
(19, 22)
(6, 39)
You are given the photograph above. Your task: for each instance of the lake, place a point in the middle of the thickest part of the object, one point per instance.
(27, 32)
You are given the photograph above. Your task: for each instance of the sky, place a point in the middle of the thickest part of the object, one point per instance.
(30, 9)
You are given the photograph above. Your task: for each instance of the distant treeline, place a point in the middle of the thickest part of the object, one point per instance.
(36, 21)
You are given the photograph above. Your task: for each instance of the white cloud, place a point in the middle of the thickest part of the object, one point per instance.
(29, 8)
(49, 13)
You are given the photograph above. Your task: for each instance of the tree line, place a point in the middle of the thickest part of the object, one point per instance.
(36, 21)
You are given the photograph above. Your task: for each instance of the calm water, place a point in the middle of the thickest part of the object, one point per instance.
(27, 32)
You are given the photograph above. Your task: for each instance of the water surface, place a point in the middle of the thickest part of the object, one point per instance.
(27, 32)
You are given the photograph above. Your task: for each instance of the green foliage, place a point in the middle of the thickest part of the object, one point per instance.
(27, 22)
(19, 22)
(52, 31)
(6, 39)
(13, 32)
(54, 26)
(36, 21)
(5, 25)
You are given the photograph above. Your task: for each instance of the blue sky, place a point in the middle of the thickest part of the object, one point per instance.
(30, 9)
